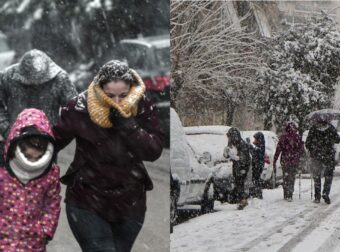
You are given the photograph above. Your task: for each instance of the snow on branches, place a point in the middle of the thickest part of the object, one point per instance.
(302, 71)
(212, 58)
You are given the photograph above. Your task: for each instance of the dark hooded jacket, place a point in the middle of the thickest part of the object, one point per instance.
(241, 166)
(290, 146)
(107, 175)
(258, 152)
(320, 143)
(35, 82)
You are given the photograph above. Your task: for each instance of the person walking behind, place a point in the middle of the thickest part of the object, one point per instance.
(258, 153)
(29, 185)
(116, 128)
(238, 151)
(35, 82)
(290, 147)
(320, 143)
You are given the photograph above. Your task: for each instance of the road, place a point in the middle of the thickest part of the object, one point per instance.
(154, 235)
(267, 225)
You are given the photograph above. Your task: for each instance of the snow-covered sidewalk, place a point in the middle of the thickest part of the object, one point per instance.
(271, 224)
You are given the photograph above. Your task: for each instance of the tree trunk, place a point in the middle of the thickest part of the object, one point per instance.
(230, 114)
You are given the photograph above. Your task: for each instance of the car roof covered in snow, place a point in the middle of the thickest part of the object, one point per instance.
(210, 138)
(160, 41)
(210, 129)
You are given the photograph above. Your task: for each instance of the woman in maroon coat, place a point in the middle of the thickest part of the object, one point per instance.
(290, 147)
(115, 129)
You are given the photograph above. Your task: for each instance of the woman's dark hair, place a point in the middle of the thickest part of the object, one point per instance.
(114, 70)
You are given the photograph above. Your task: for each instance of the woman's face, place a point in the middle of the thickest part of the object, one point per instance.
(116, 90)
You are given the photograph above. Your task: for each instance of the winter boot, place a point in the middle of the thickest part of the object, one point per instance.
(285, 197)
(327, 199)
(242, 205)
(316, 200)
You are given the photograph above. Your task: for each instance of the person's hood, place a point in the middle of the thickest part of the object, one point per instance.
(291, 128)
(28, 117)
(234, 135)
(260, 138)
(35, 68)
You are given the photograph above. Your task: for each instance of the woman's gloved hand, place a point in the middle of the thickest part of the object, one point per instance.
(119, 121)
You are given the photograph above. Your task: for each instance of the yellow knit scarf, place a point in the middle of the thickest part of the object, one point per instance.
(99, 104)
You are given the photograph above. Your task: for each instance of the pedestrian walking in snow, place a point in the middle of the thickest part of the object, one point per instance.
(29, 185)
(116, 128)
(320, 143)
(35, 82)
(258, 153)
(290, 147)
(238, 151)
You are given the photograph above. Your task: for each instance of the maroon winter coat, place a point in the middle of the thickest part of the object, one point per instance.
(107, 175)
(290, 147)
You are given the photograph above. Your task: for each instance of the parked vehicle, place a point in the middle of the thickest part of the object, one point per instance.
(191, 181)
(150, 57)
(209, 142)
(6, 54)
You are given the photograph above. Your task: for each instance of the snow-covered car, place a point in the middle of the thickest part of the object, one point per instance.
(191, 181)
(208, 143)
(271, 141)
(6, 54)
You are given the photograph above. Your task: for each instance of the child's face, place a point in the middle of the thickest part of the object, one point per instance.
(33, 154)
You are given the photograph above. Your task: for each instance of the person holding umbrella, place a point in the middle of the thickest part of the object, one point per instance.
(320, 143)
(290, 147)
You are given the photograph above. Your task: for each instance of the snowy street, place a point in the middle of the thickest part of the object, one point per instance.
(154, 235)
(271, 224)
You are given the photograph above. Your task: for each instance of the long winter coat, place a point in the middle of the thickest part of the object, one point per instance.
(290, 146)
(242, 165)
(258, 153)
(35, 82)
(107, 175)
(28, 213)
(320, 144)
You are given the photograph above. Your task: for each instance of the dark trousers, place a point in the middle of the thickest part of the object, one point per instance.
(317, 168)
(95, 234)
(239, 192)
(327, 184)
(289, 173)
(257, 185)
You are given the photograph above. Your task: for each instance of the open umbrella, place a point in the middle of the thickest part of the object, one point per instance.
(324, 115)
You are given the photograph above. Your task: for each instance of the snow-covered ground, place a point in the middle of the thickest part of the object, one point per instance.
(271, 224)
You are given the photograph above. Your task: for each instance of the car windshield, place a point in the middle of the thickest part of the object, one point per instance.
(163, 57)
(135, 55)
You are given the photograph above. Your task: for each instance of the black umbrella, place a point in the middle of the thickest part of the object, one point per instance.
(324, 115)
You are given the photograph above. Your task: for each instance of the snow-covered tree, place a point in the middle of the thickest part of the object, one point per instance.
(301, 73)
(213, 60)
